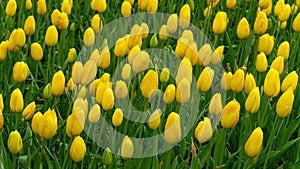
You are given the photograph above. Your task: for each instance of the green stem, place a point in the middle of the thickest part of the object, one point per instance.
(261, 117)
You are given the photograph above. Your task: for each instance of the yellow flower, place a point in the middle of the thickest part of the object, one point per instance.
(47, 125)
(81, 103)
(100, 91)
(14, 142)
(82, 92)
(278, 7)
(184, 71)
(152, 6)
(207, 12)
(104, 58)
(205, 79)
(1, 102)
(77, 149)
(126, 72)
(108, 102)
(205, 53)
(261, 23)
(140, 62)
(149, 84)
(254, 143)
(298, 3)
(98, 5)
(266, 44)
(75, 122)
(164, 75)
(230, 4)
(226, 81)
(261, 62)
(230, 114)
(117, 117)
(285, 103)
(249, 83)
(96, 23)
(183, 91)
(77, 72)
(35, 122)
(94, 114)
(28, 5)
(19, 37)
(72, 55)
(220, 23)
(184, 16)
(172, 23)
(89, 37)
(294, 9)
(126, 9)
(154, 120)
(127, 148)
(11, 45)
(90, 67)
(145, 29)
(36, 51)
(121, 47)
(20, 72)
(215, 106)
(1, 119)
(58, 83)
(51, 37)
(66, 7)
(64, 21)
(296, 23)
(217, 55)
(29, 111)
(192, 54)
(290, 81)
(56, 17)
(11, 8)
(169, 94)
(41, 7)
(143, 4)
(253, 101)
(272, 83)
(181, 47)
(71, 85)
(282, 25)
(243, 29)
(173, 128)
(135, 37)
(121, 90)
(263, 4)
(163, 33)
(268, 10)
(3, 50)
(131, 1)
(29, 26)
(284, 13)
(133, 53)
(284, 50)
(278, 64)
(203, 131)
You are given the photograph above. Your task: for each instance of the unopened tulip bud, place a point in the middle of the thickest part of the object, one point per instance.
(230, 115)
(296, 23)
(250, 83)
(3, 50)
(153, 41)
(149, 84)
(126, 8)
(184, 16)
(94, 114)
(29, 26)
(58, 83)
(272, 83)
(278, 64)
(117, 117)
(96, 23)
(66, 7)
(121, 90)
(154, 120)
(203, 132)
(254, 143)
(238, 80)
(140, 62)
(108, 102)
(89, 72)
(14, 142)
(36, 51)
(205, 79)
(226, 81)
(169, 94)
(230, 4)
(163, 33)
(29, 111)
(77, 149)
(20, 72)
(28, 5)
(285, 103)
(121, 47)
(284, 13)
(261, 23)
(290, 81)
(89, 37)
(266, 44)
(220, 23)
(11, 8)
(207, 12)
(107, 157)
(243, 29)
(152, 6)
(217, 55)
(127, 148)
(183, 91)
(164, 75)
(204, 54)
(41, 7)
(16, 101)
(145, 31)
(51, 37)
(261, 62)
(284, 50)
(72, 55)
(215, 105)
(126, 72)
(172, 132)
(253, 101)
(185, 70)
(172, 23)
(35, 122)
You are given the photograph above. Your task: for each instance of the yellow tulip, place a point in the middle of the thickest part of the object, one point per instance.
(204, 54)
(94, 114)
(164, 75)
(172, 132)
(217, 55)
(230, 4)
(36, 51)
(278, 64)
(126, 9)
(104, 58)
(181, 47)
(285, 103)
(1, 119)
(298, 3)
(47, 92)
(296, 23)
(19, 37)
(35, 122)
(1, 102)
(184, 16)
(261, 62)
(220, 22)
(226, 81)
(75, 122)
(117, 117)
(268, 10)
(140, 62)
(121, 47)
(14, 142)
(145, 29)
(121, 90)
(254, 143)
(47, 125)
(96, 23)
(172, 23)
(100, 91)
(89, 37)
(71, 85)
(72, 55)
(263, 4)
(253, 101)
(41, 7)
(131, 1)
(152, 6)
(261, 23)
(66, 7)
(127, 148)
(205, 79)
(278, 7)
(243, 29)
(207, 12)
(90, 67)
(188, 34)
(11, 45)
(294, 9)
(77, 72)
(133, 53)
(203, 131)
(64, 21)
(29, 26)
(11, 8)
(126, 72)
(154, 120)
(163, 33)
(16, 101)
(215, 106)
(230, 114)
(29, 111)
(266, 44)
(272, 83)
(20, 72)
(183, 91)
(290, 81)
(77, 149)
(192, 54)
(250, 83)
(169, 94)
(284, 50)
(99, 5)
(108, 102)
(143, 4)
(51, 37)
(58, 83)
(149, 84)
(184, 71)
(81, 103)
(282, 25)
(28, 5)
(3, 50)
(284, 13)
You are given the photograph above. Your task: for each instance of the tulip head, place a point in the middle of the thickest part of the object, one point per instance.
(127, 148)
(215, 106)
(126, 8)
(154, 120)
(140, 62)
(284, 50)
(278, 64)
(29, 26)
(164, 75)
(11, 8)
(261, 63)
(173, 128)
(163, 33)
(172, 23)
(243, 29)
(237, 81)
(203, 132)
(149, 84)
(107, 157)
(205, 79)
(3, 50)
(126, 72)
(296, 23)
(77, 149)
(20, 72)
(14, 142)
(250, 83)
(58, 83)
(169, 94)
(29, 111)
(41, 7)
(220, 23)
(47, 125)
(285, 103)
(109, 101)
(16, 101)
(35, 122)
(290, 81)
(94, 114)
(183, 91)
(121, 90)
(72, 54)
(89, 37)
(266, 44)
(184, 16)
(272, 83)
(36, 51)
(261, 23)
(117, 117)
(28, 4)
(253, 101)
(51, 37)
(230, 114)
(254, 143)
(96, 23)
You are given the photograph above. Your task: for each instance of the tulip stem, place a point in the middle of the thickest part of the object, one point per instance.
(14, 161)
(261, 117)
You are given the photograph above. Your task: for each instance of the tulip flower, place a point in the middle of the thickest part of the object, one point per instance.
(3, 50)
(261, 62)
(108, 102)
(296, 23)
(184, 71)
(66, 7)
(28, 5)
(237, 81)
(261, 23)
(269, 8)
(126, 71)
(163, 33)
(172, 132)
(272, 83)
(121, 90)
(89, 37)
(149, 84)
(172, 23)
(121, 48)
(77, 149)
(230, 4)
(207, 12)
(243, 29)
(253, 101)
(298, 3)
(20, 72)
(99, 5)
(169, 94)
(94, 114)
(220, 22)
(205, 79)
(217, 55)
(226, 81)
(181, 47)
(96, 23)
(117, 117)
(77, 72)
(1, 119)
(14, 142)
(41, 7)
(16, 101)
(35, 122)
(282, 25)
(192, 54)
(183, 91)
(72, 55)
(127, 148)
(29, 26)
(285, 103)
(11, 8)
(154, 120)
(58, 83)
(188, 34)
(75, 122)
(135, 37)
(215, 106)
(290, 81)
(254, 143)
(29, 111)
(184, 16)
(205, 53)
(152, 6)
(51, 37)
(102, 86)
(11, 45)
(1, 102)
(133, 53)
(164, 75)
(140, 62)
(284, 13)
(47, 92)
(263, 4)
(278, 64)
(89, 72)
(47, 125)
(230, 114)
(284, 50)
(36, 51)
(107, 157)
(250, 83)
(145, 30)
(71, 85)
(19, 37)
(203, 132)
(266, 44)
(126, 9)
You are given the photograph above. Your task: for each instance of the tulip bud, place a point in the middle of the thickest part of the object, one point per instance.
(107, 157)
(261, 23)
(203, 131)
(285, 103)
(51, 37)
(127, 148)
(47, 92)
(104, 58)
(164, 75)
(217, 56)
(135, 37)
(77, 149)
(20, 72)
(181, 47)
(36, 51)
(298, 3)
(20, 37)
(254, 143)
(121, 48)
(108, 102)
(41, 7)
(290, 81)
(220, 23)
(284, 50)
(72, 55)
(77, 72)
(58, 83)
(14, 142)
(154, 120)
(94, 114)
(261, 62)
(237, 81)
(192, 54)
(278, 64)
(207, 12)
(89, 37)
(204, 53)
(133, 53)
(126, 71)
(126, 8)
(230, 114)
(1, 102)
(66, 7)
(96, 23)
(47, 125)
(140, 62)
(16, 101)
(272, 83)
(153, 41)
(145, 30)
(205, 79)
(213, 2)
(266, 44)
(35, 122)
(29, 111)
(184, 16)
(226, 81)
(215, 105)
(243, 29)
(64, 21)
(117, 117)
(3, 50)
(11, 45)
(269, 8)
(183, 91)
(149, 84)
(284, 13)
(188, 35)
(1, 119)
(296, 23)
(249, 83)
(29, 26)
(172, 23)
(80, 103)
(253, 101)
(184, 71)
(173, 128)
(152, 6)
(121, 90)
(263, 4)
(28, 5)
(169, 94)
(163, 33)
(71, 85)
(230, 4)
(100, 91)
(75, 122)
(11, 8)
(89, 72)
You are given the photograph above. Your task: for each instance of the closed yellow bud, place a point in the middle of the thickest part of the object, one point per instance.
(104, 58)
(254, 143)
(51, 37)
(96, 23)
(140, 62)
(133, 53)
(261, 62)
(90, 67)
(284, 13)
(89, 37)
(296, 23)
(214, 2)
(80, 103)
(47, 125)
(58, 83)
(266, 44)
(66, 7)
(35, 122)
(145, 30)
(107, 157)
(108, 103)
(72, 55)
(243, 29)
(29, 26)
(226, 81)
(272, 83)
(253, 101)
(278, 7)
(207, 12)
(131, 1)
(126, 8)
(152, 6)
(100, 91)
(250, 83)
(1, 102)
(28, 5)
(181, 47)
(77, 72)
(268, 10)
(36, 51)
(11, 8)
(117, 117)
(215, 106)
(230, 114)
(172, 23)
(64, 21)
(192, 54)
(184, 71)
(20, 37)
(261, 23)
(3, 50)
(290, 81)
(121, 90)
(1, 119)
(126, 72)
(143, 4)
(82, 92)
(188, 34)
(71, 85)
(149, 84)
(169, 94)
(47, 92)
(94, 114)
(56, 17)
(29, 111)
(101, 5)
(41, 7)
(205, 79)
(285, 103)
(20, 72)
(11, 45)
(75, 122)
(127, 148)
(184, 16)
(163, 33)
(278, 64)
(230, 4)
(164, 75)
(205, 53)
(183, 91)
(203, 131)
(284, 50)
(298, 3)
(121, 47)
(263, 4)
(220, 23)
(77, 149)
(14, 142)
(154, 120)
(135, 37)
(217, 55)
(237, 81)
(173, 128)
